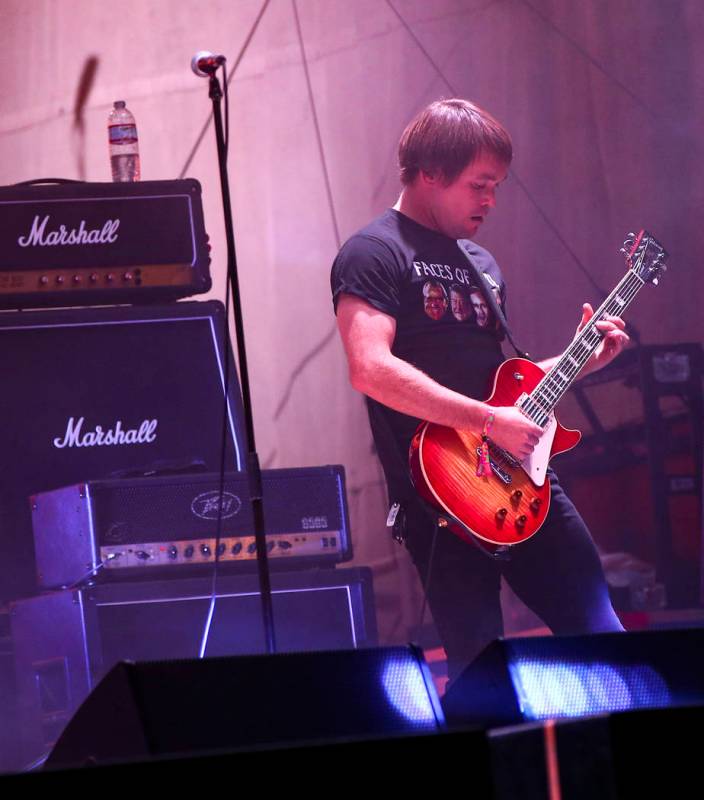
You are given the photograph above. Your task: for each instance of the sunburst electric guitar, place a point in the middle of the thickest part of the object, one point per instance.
(507, 503)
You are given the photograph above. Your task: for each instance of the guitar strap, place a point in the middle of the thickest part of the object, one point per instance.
(478, 275)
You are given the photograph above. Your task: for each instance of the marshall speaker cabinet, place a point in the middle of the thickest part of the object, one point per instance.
(79, 243)
(101, 393)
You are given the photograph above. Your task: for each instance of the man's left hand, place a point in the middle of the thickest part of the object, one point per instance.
(614, 340)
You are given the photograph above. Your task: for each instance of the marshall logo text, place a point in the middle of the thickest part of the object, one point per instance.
(38, 236)
(76, 437)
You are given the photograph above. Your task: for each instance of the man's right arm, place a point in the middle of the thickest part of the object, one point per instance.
(368, 335)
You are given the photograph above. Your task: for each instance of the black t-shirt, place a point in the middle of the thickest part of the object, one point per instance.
(444, 325)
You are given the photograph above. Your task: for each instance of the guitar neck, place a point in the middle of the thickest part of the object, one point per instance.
(543, 399)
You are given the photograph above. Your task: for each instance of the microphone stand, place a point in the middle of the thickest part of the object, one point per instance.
(253, 469)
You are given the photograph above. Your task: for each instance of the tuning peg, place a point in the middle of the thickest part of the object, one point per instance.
(629, 241)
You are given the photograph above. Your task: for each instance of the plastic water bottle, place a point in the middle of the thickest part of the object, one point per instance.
(123, 144)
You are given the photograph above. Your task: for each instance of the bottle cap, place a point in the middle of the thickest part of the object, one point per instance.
(119, 104)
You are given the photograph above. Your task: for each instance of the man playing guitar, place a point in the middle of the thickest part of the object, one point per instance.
(413, 365)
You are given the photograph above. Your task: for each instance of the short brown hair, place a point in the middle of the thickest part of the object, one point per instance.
(447, 136)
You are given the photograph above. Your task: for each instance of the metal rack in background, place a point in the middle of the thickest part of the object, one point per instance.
(666, 437)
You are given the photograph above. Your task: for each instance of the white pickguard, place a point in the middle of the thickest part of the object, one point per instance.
(536, 463)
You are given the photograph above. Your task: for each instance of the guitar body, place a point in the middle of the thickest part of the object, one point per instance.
(508, 505)
(509, 501)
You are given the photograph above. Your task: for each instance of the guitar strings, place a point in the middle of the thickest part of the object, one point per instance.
(548, 392)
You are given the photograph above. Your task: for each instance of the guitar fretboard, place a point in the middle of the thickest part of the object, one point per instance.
(539, 404)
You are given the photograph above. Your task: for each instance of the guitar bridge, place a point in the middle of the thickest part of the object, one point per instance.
(496, 469)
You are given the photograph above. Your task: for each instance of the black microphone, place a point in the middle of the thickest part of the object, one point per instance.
(204, 63)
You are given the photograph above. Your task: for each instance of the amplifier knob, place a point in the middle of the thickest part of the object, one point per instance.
(93, 277)
(236, 548)
(173, 552)
(77, 279)
(188, 552)
(143, 555)
(221, 548)
(109, 277)
(252, 548)
(270, 546)
(44, 280)
(127, 276)
(284, 545)
(59, 279)
(205, 549)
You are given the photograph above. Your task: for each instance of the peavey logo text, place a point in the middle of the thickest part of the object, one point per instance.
(76, 437)
(208, 506)
(38, 236)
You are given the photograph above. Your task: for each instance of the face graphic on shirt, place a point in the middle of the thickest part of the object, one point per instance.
(460, 304)
(481, 310)
(434, 299)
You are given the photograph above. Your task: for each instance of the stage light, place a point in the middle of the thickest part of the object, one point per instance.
(548, 690)
(405, 682)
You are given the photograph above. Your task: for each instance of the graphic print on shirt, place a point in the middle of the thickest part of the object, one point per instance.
(464, 299)
(434, 299)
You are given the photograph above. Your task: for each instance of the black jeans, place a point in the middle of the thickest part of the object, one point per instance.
(556, 573)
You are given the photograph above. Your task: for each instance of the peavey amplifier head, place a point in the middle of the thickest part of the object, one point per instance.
(142, 527)
(81, 243)
(95, 393)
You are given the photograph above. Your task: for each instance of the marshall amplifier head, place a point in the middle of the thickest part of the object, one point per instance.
(75, 243)
(94, 393)
(145, 527)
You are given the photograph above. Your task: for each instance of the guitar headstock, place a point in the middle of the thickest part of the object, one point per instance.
(645, 256)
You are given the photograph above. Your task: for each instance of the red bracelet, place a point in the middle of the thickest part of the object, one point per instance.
(484, 465)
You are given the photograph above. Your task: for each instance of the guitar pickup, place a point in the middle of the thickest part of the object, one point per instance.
(500, 473)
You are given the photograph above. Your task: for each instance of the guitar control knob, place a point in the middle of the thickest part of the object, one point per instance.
(236, 548)
(521, 521)
(516, 496)
(501, 514)
(535, 504)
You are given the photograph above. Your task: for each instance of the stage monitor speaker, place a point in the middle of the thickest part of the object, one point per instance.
(141, 710)
(97, 393)
(65, 642)
(548, 677)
